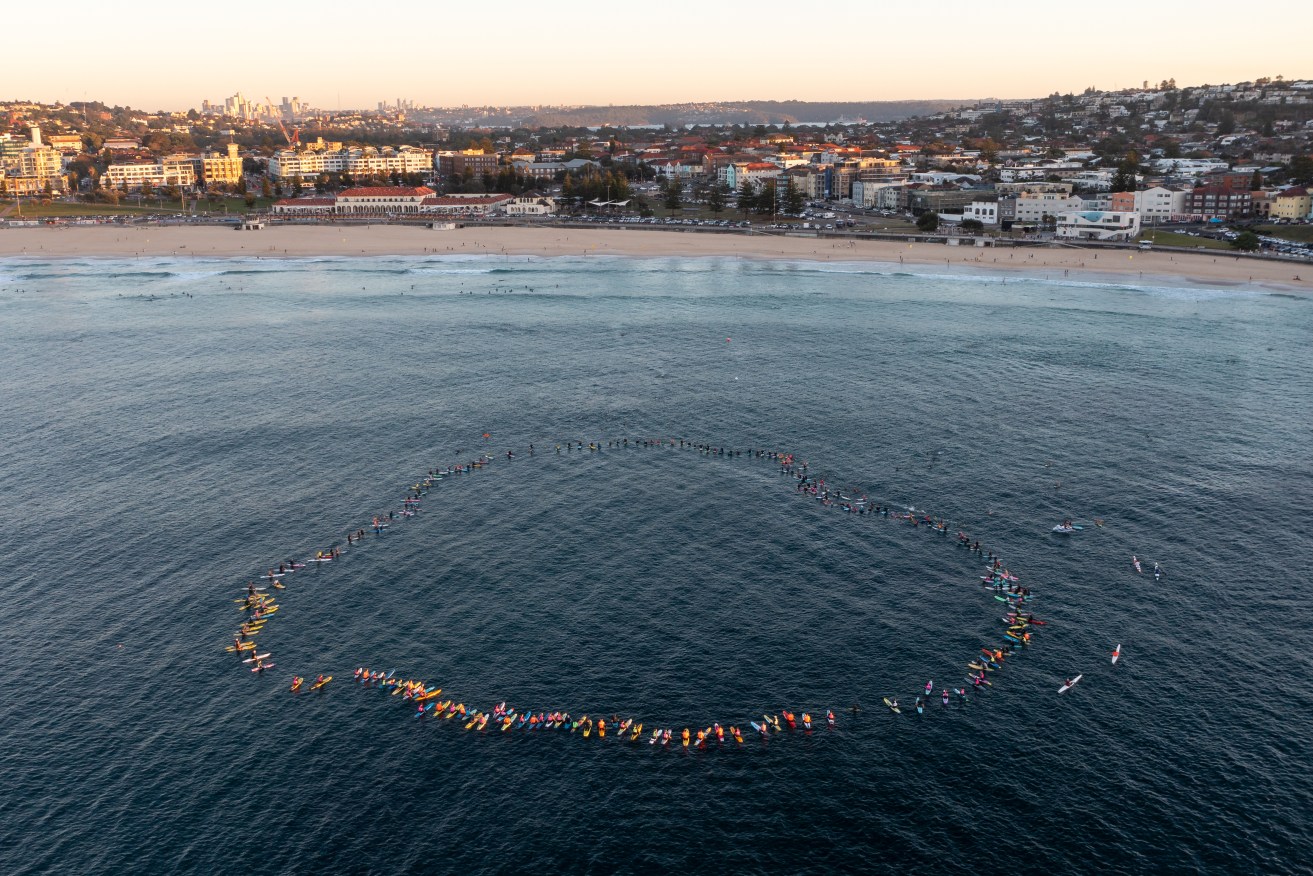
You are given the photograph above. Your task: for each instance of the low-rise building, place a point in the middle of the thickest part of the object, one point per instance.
(465, 205)
(939, 199)
(305, 206)
(1099, 225)
(69, 144)
(531, 205)
(984, 212)
(382, 200)
(1293, 203)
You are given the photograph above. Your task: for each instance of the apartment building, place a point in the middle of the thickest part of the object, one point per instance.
(288, 164)
(1036, 206)
(220, 167)
(31, 167)
(476, 162)
(176, 170)
(1293, 203)
(1218, 202)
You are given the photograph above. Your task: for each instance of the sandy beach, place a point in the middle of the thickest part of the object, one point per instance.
(1210, 268)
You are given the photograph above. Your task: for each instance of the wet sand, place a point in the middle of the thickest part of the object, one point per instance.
(1209, 268)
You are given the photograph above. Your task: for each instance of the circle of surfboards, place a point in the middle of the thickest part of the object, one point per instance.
(259, 606)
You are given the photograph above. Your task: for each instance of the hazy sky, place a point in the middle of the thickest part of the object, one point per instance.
(152, 54)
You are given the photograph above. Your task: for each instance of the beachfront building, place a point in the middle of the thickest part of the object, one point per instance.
(1293, 203)
(305, 206)
(984, 212)
(381, 200)
(120, 144)
(365, 201)
(466, 204)
(174, 170)
(1218, 202)
(1158, 204)
(531, 205)
(842, 177)
(1099, 225)
(939, 199)
(288, 164)
(1019, 188)
(1033, 207)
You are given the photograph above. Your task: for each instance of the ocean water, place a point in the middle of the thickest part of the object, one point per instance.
(169, 429)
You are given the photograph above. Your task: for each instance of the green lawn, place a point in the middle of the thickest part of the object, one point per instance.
(1172, 238)
(62, 209)
(129, 207)
(1296, 233)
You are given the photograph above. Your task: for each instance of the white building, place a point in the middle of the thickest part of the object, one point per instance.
(985, 212)
(531, 206)
(938, 178)
(286, 165)
(867, 193)
(1099, 225)
(1189, 166)
(178, 170)
(1159, 204)
(465, 204)
(394, 201)
(1033, 207)
(305, 206)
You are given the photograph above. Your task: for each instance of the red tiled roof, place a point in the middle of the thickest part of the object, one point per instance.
(386, 191)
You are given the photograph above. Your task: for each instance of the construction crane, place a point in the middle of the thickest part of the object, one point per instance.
(292, 138)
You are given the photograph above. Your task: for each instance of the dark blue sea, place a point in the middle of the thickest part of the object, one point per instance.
(170, 429)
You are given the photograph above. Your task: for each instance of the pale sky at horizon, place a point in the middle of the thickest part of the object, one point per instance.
(166, 55)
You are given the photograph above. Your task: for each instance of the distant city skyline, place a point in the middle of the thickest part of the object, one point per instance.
(849, 50)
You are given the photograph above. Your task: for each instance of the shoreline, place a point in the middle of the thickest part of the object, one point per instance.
(1213, 268)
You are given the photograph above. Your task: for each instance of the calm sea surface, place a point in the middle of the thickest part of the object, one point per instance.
(170, 429)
